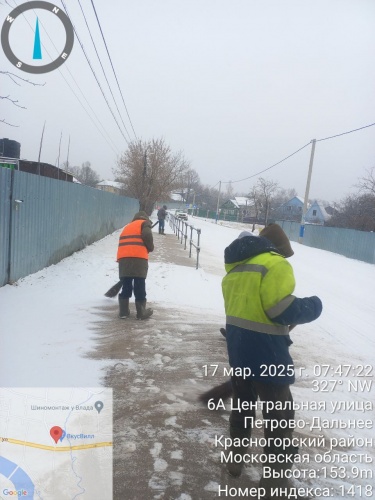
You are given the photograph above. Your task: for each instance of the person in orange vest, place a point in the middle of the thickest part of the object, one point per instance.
(136, 241)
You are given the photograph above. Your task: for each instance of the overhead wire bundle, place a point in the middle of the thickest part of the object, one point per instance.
(86, 99)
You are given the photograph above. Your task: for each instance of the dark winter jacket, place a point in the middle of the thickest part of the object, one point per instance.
(132, 267)
(260, 306)
(162, 213)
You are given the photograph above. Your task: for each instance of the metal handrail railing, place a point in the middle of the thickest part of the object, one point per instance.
(180, 228)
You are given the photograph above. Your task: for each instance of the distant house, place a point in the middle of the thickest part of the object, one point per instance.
(290, 210)
(177, 197)
(175, 201)
(237, 208)
(317, 214)
(110, 186)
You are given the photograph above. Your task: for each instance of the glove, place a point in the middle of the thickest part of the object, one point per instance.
(318, 306)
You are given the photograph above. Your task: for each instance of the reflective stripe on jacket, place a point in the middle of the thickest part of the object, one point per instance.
(131, 243)
(257, 290)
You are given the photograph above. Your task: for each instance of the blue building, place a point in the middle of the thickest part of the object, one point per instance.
(317, 214)
(290, 210)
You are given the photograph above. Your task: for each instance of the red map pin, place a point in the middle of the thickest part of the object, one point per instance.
(56, 433)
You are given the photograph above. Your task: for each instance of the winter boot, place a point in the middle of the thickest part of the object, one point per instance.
(237, 453)
(236, 463)
(162, 231)
(142, 312)
(124, 308)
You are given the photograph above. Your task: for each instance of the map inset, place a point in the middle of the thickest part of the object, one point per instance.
(56, 443)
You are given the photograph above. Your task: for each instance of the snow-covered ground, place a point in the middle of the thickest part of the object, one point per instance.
(45, 323)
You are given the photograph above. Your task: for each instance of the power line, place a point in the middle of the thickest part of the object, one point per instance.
(344, 133)
(104, 73)
(298, 150)
(112, 146)
(93, 72)
(268, 168)
(118, 85)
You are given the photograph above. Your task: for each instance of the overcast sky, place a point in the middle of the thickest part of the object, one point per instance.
(236, 84)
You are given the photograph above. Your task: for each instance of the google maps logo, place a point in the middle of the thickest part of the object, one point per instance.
(16, 493)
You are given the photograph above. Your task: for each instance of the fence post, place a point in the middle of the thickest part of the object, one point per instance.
(198, 247)
(11, 198)
(191, 240)
(185, 234)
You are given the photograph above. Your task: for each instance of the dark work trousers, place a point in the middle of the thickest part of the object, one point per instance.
(139, 288)
(249, 390)
(161, 225)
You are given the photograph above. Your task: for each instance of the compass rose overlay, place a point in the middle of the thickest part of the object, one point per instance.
(69, 37)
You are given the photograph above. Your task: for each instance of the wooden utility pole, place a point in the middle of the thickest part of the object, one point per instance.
(58, 158)
(302, 227)
(40, 148)
(218, 201)
(67, 161)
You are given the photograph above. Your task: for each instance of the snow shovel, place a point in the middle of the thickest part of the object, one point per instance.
(222, 391)
(114, 290)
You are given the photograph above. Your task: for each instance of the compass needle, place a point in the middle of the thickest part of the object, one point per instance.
(37, 68)
(37, 54)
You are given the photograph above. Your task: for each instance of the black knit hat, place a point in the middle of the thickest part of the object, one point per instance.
(276, 235)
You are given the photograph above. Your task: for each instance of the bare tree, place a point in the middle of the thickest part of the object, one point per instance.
(208, 197)
(85, 174)
(189, 184)
(149, 171)
(255, 197)
(355, 212)
(267, 190)
(16, 80)
(229, 192)
(367, 184)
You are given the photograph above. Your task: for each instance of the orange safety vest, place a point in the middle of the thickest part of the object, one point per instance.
(131, 243)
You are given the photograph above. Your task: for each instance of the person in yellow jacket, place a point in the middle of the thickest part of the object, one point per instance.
(260, 308)
(135, 243)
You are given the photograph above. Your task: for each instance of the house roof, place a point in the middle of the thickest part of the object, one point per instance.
(323, 211)
(242, 201)
(118, 185)
(239, 201)
(301, 200)
(176, 197)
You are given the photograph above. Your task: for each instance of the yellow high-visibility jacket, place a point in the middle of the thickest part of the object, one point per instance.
(257, 290)
(259, 306)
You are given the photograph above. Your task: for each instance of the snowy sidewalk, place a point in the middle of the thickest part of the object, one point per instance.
(59, 330)
(163, 436)
(68, 334)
